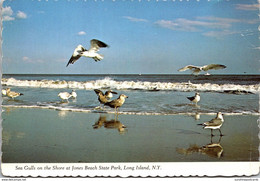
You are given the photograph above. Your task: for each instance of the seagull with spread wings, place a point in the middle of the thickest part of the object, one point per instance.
(104, 97)
(91, 53)
(197, 69)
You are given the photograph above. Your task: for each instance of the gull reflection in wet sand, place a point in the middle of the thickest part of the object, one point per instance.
(211, 149)
(197, 116)
(111, 124)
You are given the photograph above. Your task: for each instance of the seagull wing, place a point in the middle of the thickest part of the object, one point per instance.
(107, 92)
(97, 91)
(113, 103)
(191, 67)
(96, 44)
(76, 54)
(213, 122)
(213, 66)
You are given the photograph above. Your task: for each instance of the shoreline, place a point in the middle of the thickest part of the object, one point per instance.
(50, 136)
(111, 111)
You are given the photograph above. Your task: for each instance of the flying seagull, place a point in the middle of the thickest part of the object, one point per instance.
(91, 53)
(197, 69)
(12, 94)
(215, 123)
(116, 103)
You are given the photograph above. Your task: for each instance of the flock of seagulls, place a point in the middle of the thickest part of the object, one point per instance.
(104, 98)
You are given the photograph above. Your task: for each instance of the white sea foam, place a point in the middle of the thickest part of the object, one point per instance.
(92, 110)
(128, 85)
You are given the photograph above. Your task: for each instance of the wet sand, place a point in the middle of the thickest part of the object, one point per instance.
(50, 136)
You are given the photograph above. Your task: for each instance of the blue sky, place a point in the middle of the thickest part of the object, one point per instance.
(145, 37)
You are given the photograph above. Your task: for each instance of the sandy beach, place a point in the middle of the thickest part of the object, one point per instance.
(51, 136)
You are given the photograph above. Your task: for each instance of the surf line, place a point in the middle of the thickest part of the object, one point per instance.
(127, 112)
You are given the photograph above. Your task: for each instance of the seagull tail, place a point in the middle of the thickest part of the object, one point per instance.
(21, 94)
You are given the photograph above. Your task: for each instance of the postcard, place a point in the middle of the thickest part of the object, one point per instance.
(129, 88)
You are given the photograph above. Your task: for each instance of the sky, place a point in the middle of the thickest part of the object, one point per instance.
(144, 36)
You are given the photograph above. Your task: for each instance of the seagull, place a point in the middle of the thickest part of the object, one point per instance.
(197, 69)
(12, 94)
(64, 95)
(103, 98)
(4, 92)
(91, 53)
(215, 123)
(195, 98)
(116, 103)
(73, 94)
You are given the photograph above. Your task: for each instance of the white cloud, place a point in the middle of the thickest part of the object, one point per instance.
(27, 59)
(257, 48)
(7, 11)
(21, 15)
(135, 19)
(8, 18)
(7, 14)
(209, 25)
(220, 20)
(248, 7)
(82, 33)
(219, 33)
(182, 24)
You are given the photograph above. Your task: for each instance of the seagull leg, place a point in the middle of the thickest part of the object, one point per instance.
(212, 133)
(220, 133)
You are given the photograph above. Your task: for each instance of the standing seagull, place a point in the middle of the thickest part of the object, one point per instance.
(215, 123)
(91, 53)
(103, 98)
(116, 103)
(197, 69)
(12, 94)
(64, 95)
(195, 98)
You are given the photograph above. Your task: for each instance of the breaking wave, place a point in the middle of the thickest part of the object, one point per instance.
(108, 83)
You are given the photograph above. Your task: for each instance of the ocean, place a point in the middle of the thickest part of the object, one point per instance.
(148, 94)
(157, 123)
